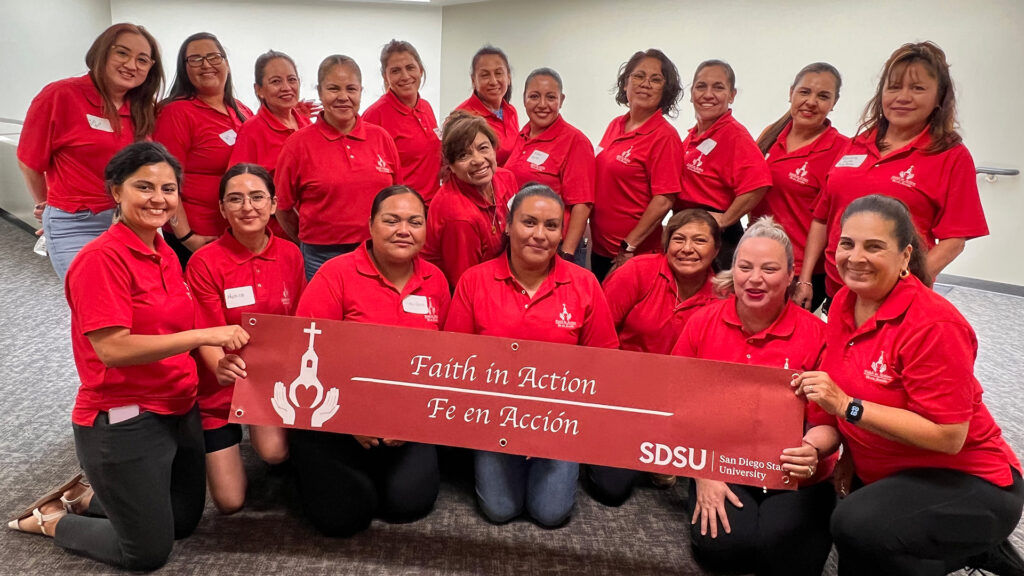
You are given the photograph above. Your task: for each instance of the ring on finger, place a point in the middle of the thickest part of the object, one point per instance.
(810, 470)
(808, 389)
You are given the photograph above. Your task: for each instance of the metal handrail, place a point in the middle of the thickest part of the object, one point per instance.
(993, 174)
(12, 121)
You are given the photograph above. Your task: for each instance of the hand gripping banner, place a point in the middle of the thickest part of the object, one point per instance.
(650, 412)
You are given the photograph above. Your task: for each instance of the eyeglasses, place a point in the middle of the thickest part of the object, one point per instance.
(638, 78)
(213, 59)
(257, 200)
(122, 55)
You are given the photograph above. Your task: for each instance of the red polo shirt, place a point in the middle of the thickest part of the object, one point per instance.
(463, 230)
(228, 280)
(797, 180)
(794, 341)
(916, 353)
(116, 281)
(416, 137)
(331, 179)
(568, 308)
(632, 168)
(941, 191)
(201, 138)
(260, 141)
(349, 287)
(722, 163)
(561, 158)
(67, 137)
(506, 127)
(645, 304)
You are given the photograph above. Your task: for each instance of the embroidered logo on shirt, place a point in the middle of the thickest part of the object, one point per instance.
(799, 175)
(565, 319)
(879, 371)
(431, 315)
(624, 157)
(382, 165)
(286, 299)
(906, 178)
(695, 164)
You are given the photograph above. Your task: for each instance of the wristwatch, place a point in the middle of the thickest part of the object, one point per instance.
(854, 410)
(627, 247)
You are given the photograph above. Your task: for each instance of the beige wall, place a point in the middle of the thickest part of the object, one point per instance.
(767, 42)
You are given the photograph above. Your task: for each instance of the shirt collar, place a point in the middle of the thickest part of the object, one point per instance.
(715, 127)
(559, 272)
(470, 192)
(547, 135)
(271, 121)
(240, 254)
(705, 294)
(126, 236)
(401, 107)
(782, 327)
(824, 142)
(366, 267)
(893, 307)
(329, 132)
(93, 96)
(867, 139)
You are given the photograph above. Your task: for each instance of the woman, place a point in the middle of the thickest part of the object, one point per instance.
(936, 485)
(800, 148)
(637, 173)
(248, 269)
(198, 122)
(467, 218)
(515, 296)
(777, 531)
(345, 481)
(492, 96)
(280, 115)
(552, 152)
(408, 118)
(74, 126)
(908, 148)
(131, 332)
(723, 170)
(328, 173)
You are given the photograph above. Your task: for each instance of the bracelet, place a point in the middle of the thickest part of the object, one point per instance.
(185, 238)
(799, 282)
(816, 450)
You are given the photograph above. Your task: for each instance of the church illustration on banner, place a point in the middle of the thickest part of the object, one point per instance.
(285, 400)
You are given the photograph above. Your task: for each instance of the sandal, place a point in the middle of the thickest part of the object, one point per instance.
(40, 519)
(69, 504)
(56, 493)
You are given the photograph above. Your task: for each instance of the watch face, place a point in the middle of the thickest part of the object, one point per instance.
(854, 411)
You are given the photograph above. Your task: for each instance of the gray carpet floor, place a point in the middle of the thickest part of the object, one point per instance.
(647, 535)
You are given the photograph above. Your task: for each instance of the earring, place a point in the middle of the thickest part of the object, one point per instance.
(904, 273)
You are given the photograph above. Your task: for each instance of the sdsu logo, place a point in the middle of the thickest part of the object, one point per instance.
(695, 164)
(565, 319)
(431, 315)
(382, 165)
(879, 371)
(624, 157)
(799, 175)
(905, 178)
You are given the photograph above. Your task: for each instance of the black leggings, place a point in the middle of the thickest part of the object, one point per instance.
(149, 478)
(778, 532)
(923, 521)
(343, 486)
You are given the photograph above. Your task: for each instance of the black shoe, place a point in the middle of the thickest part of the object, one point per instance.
(1003, 560)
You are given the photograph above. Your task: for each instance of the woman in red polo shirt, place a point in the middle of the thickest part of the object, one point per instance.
(328, 173)
(907, 148)
(345, 481)
(492, 96)
(198, 122)
(552, 152)
(137, 428)
(723, 170)
(800, 149)
(74, 126)
(468, 216)
(248, 269)
(408, 118)
(523, 294)
(777, 531)
(280, 115)
(936, 486)
(637, 164)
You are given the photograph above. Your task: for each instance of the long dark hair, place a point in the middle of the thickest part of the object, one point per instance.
(771, 133)
(141, 99)
(896, 212)
(670, 94)
(489, 50)
(183, 89)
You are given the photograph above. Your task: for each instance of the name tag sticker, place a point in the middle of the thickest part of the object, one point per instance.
(537, 157)
(707, 146)
(228, 137)
(438, 132)
(851, 160)
(238, 297)
(416, 304)
(597, 150)
(99, 123)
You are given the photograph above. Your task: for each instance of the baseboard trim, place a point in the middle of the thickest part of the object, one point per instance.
(986, 285)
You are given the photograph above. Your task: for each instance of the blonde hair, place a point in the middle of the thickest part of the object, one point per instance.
(764, 227)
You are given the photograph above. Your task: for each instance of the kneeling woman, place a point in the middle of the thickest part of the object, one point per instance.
(346, 481)
(777, 531)
(131, 333)
(248, 269)
(516, 295)
(936, 485)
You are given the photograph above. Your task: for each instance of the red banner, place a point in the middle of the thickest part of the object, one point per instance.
(662, 414)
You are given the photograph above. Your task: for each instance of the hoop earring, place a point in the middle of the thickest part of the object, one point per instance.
(904, 273)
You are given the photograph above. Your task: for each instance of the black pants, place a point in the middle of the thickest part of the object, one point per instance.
(149, 478)
(819, 295)
(923, 521)
(778, 532)
(343, 486)
(600, 265)
(730, 239)
(610, 486)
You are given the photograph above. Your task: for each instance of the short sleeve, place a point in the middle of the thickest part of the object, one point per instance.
(174, 130)
(578, 177)
(323, 297)
(665, 164)
(598, 327)
(460, 313)
(937, 370)
(209, 307)
(961, 215)
(99, 289)
(623, 291)
(286, 176)
(35, 144)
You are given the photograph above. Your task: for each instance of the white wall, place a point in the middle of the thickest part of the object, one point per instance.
(306, 31)
(767, 43)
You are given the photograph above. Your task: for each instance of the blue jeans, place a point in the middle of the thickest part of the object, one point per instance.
(316, 254)
(507, 484)
(68, 232)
